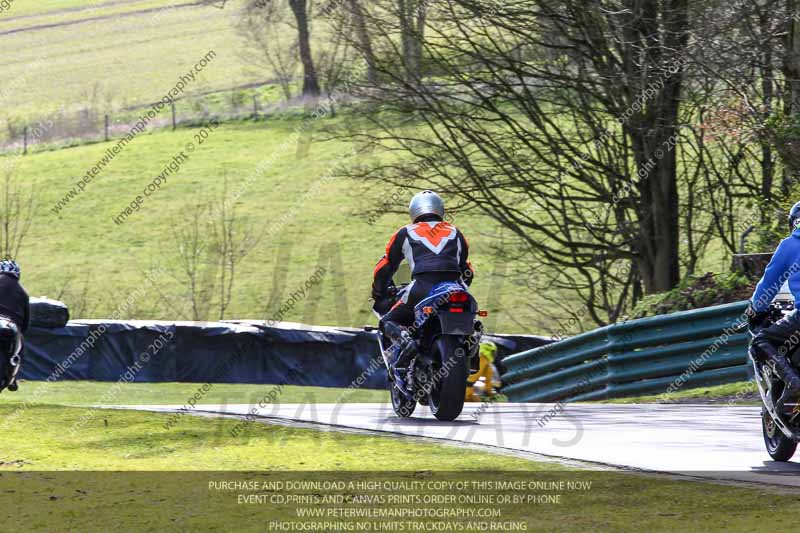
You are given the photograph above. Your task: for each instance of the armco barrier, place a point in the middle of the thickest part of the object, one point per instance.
(645, 356)
(215, 352)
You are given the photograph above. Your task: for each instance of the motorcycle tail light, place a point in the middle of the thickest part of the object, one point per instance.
(458, 297)
(456, 310)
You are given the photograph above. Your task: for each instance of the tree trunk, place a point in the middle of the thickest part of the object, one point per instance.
(364, 40)
(405, 33)
(310, 81)
(660, 263)
(419, 34)
(654, 142)
(412, 27)
(789, 145)
(767, 88)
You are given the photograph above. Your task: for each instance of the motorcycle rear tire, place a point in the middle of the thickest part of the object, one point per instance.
(779, 446)
(446, 398)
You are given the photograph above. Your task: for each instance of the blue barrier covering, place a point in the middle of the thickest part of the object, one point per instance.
(215, 352)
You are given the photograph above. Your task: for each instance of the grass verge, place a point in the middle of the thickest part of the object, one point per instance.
(741, 393)
(79, 393)
(200, 464)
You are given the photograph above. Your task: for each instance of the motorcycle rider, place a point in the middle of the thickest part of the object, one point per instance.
(436, 252)
(14, 320)
(774, 342)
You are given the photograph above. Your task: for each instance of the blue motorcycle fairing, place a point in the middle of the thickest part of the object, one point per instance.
(437, 298)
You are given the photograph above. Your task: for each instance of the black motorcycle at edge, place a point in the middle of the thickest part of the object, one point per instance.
(780, 424)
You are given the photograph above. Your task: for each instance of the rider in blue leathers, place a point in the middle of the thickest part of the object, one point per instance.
(774, 342)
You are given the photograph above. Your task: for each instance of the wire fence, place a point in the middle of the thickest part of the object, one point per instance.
(93, 123)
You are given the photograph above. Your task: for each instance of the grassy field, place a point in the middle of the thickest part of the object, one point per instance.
(742, 393)
(82, 393)
(307, 220)
(130, 440)
(127, 52)
(42, 467)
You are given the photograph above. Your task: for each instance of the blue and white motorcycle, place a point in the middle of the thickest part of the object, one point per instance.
(780, 424)
(448, 336)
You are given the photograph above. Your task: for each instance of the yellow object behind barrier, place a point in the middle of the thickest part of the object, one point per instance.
(487, 352)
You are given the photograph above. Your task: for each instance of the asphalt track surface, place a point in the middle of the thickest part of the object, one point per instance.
(707, 441)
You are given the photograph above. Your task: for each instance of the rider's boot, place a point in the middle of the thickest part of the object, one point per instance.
(789, 376)
(785, 371)
(400, 336)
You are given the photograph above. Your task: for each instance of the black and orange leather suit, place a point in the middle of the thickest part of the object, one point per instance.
(435, 250)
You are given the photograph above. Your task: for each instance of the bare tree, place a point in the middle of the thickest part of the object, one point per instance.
(198, 269)
(559, 120)
(335, 61)
(260, 23)
(743, 81)
(77, 297)
(232, 240)
(412, 15)
(790, 145)
(364, 39)
(212, 240)
(310, 81)
(18, 210)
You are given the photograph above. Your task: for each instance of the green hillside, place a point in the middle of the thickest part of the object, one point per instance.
(306, 217)
(114, 54)
(120, 53)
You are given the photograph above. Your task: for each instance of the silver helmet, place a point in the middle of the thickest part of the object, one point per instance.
(425, 203)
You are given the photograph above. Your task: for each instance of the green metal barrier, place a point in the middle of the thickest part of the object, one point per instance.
(645, 356)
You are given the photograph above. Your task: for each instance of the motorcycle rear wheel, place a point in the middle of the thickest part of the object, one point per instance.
(779, 446)
(403, 407)
(446, 396)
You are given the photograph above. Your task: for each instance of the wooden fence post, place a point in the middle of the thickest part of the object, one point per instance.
(106, 127)
(25, 141)
(173, 115)
(255, 106)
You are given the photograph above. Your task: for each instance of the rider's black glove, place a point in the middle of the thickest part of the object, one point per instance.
(386, 294)
(755, 319)
(384, 300)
